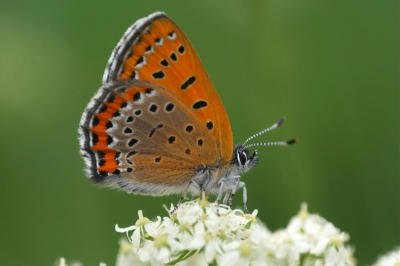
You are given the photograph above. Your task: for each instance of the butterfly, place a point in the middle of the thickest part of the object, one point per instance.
(157, 126)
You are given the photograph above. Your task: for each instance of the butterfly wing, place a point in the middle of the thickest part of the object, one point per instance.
(155, 49)
(148, 133)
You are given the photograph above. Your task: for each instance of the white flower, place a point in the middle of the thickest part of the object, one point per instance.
(336, 256)
(62, 262)
(193, 228)
(391, 258)
(196, 235)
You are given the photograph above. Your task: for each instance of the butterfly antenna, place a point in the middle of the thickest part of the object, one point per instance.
(276, 143)
(274, 126)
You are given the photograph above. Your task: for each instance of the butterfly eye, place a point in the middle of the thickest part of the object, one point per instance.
(242, 158)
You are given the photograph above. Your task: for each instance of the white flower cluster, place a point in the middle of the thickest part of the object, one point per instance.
(391, 258)
(196, 235)
(62, 262)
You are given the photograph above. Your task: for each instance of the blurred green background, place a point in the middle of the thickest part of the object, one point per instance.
(330, 67)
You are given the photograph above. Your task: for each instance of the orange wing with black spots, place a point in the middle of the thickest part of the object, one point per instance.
(157, 119)
(156, 50)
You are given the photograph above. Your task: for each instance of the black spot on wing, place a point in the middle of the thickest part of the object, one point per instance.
(199, 105)
(188, 82)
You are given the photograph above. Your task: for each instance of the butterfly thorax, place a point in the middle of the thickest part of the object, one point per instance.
(209, 178)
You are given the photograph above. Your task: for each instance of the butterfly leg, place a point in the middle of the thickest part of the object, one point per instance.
(191, 183)
(220, 193)
(239, 185)
(244, 197)
(227, 195)
(234, 182)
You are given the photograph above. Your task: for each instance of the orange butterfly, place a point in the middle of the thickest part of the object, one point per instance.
(157, 125)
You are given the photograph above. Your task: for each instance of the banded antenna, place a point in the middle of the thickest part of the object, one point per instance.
(275, 143)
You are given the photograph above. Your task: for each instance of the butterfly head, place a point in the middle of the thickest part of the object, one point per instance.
(243, 160)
